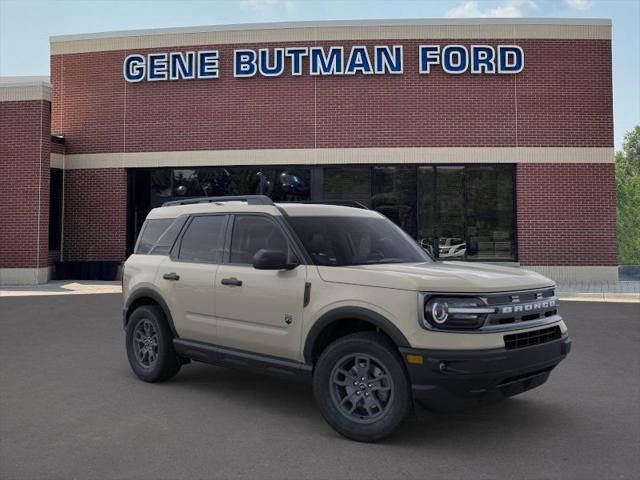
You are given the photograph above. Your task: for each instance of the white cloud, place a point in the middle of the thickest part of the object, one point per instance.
(507, 8)
(578, 4)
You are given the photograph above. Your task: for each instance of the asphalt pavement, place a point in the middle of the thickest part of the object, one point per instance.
(70, 408)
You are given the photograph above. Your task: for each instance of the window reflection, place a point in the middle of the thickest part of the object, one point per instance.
(489, 191)
(279, 183)
(348, 183)
(466, 212)
(394, 195)
(460, 212)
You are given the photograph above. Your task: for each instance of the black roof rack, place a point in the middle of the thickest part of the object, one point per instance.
(250, 199)
(342, 203)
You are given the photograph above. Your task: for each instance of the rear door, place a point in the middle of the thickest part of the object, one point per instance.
(259, 310)
(187, 277)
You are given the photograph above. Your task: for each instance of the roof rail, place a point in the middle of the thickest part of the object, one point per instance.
(342, 203)
(250, 199)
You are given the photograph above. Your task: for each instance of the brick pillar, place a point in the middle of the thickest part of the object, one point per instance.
(25, 123)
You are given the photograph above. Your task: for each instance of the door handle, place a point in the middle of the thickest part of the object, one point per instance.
(234, 282)
(171, 276)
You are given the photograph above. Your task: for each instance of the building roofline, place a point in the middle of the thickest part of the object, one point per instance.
(333, 23)
(24, 89)
(22, 81)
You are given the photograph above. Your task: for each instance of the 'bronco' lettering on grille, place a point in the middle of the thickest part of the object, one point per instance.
(528, 307)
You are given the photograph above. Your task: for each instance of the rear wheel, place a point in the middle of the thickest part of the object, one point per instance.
(361, 387)
(150, 345)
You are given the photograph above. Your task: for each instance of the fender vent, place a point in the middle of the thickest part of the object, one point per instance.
(535, 337)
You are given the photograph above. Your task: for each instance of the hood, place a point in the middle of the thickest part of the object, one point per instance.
(459, 277)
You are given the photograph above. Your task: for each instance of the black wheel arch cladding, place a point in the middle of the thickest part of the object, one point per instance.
(330, 318)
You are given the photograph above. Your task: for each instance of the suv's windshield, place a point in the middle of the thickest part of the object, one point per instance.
(343, 241)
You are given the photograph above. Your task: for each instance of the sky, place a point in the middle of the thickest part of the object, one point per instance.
(25, 26)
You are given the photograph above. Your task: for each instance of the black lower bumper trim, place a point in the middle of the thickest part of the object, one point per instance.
(451, 379)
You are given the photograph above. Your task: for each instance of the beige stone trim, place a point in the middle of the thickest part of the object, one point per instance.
(341, 156)
(22, 93)
(57, 160)
(573, 274)
(439, 29)
(24, 276)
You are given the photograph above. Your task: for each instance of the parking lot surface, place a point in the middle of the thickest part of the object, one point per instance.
(71, 408)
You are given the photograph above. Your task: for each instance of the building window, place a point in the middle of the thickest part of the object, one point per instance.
(279, 183)
(347, 183)
(490, 212)
(461, 212)
(55, 209)
(467, 212)
(394, 195)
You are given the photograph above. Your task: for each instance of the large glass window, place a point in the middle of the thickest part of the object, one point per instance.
(279, 183)
(204, 239)
(348, 183)
(394, 195)
(460, 212)
(467, 212)
(252, 233)
(490, 215)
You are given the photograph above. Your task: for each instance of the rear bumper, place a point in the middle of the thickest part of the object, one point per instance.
(452, 379)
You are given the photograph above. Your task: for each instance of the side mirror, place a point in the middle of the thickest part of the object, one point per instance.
(272, 260)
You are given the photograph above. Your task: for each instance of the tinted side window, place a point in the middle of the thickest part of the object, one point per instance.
(204, 239)
(166, 240)
(252, 233)
(150, 234)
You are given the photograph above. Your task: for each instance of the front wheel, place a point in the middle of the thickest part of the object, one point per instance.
(361, 387)
(150, 345)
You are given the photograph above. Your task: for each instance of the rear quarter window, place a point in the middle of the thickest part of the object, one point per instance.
(151, 232)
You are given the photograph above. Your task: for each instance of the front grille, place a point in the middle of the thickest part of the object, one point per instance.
(534, 337)
(516, 307)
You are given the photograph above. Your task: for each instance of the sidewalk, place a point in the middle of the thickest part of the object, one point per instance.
(61, 287)
(600, 291)
(627, 292)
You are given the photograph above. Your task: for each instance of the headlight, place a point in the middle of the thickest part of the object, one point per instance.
(455, 313)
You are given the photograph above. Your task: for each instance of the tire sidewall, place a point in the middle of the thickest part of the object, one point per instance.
(167, 363)
(379, 348)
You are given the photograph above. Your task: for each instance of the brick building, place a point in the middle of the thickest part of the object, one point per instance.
(486, 140)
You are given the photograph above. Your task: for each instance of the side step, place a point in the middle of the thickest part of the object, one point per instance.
(231, 358)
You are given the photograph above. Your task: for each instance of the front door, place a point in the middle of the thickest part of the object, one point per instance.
(259, 310)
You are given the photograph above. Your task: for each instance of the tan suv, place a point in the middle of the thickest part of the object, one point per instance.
(339, 297)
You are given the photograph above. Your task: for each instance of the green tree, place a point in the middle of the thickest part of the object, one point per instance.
(628, 198)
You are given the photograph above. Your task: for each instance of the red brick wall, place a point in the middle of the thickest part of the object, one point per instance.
(24, 196)
(562, 98)
(566, 214)
(57, 148)
(95, 213)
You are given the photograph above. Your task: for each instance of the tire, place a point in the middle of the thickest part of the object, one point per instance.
(384, 398)
(150, 345)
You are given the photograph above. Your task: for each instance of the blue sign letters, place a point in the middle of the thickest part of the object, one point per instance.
(325, 61)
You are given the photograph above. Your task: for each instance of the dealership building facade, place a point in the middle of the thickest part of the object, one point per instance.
(486, 140)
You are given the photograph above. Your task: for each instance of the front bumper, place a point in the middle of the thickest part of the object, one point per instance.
(453, 379)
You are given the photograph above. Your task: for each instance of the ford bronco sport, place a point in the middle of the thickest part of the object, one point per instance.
(337, 296)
